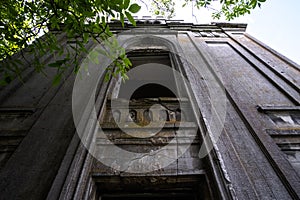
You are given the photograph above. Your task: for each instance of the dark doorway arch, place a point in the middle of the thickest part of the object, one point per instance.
(152, 90)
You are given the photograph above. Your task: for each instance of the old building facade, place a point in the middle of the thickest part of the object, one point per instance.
(208, 112)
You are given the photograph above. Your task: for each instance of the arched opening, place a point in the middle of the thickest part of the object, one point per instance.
(152, 90)
(151, 76)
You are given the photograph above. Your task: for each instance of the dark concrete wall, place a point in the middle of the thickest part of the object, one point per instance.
(256, 157)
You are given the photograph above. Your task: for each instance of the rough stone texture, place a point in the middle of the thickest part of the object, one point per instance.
(256, 156)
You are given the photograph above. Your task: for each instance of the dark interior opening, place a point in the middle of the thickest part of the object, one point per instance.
(184, 187)
(152, 196)
(152, 91)
(151, 76)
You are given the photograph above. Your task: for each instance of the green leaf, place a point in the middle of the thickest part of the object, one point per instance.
(54, 64)
(85, 37)
(117, 8)
(88, 14)
(134, 8)
(124, 77)
(126, 3)
(56, 79)
(107, 76)
(130, 18)
(120, 2)
(253, 3)
(122, 19)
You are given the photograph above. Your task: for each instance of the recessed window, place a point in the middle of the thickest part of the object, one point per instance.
(152, 91)
(151, 76)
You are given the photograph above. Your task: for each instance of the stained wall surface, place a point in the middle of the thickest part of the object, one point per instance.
(235, 81)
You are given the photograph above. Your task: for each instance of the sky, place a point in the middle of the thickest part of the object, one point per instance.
(276, 24)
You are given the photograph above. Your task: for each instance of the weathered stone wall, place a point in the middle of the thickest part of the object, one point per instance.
(255, 157)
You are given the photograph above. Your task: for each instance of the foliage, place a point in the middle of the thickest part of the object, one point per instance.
(229, 8)
(24, 22)
(163, 7)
